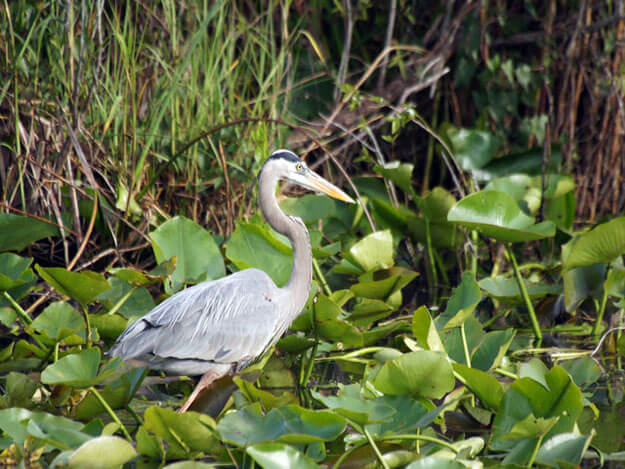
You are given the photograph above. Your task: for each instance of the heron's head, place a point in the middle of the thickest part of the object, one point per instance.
(287, 166)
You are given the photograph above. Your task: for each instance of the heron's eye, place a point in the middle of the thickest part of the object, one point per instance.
(299, 167)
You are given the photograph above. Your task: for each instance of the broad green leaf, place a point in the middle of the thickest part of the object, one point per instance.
(436, 204)
(581, 283)
(424, 373)
(58, 431)
(197, 255)
(373, 252)
(409, 415)
(506, 289)
(77, 369)
(568, 448)
(496, 214)
(602, 244)
(109, 326)
(309, 207)
(527, 162)
(583, 370)
(464, 299)
(366, 311)
(425, 331)
(473, 149)
(350, 403)
(399, 173)
(185, 434)
(129, 301)
(83, 287)
(103, 452)
(289, 424)
(60, 320)
(534, 369)
(268, 399)
(531, 427)
(492, 349)
(251, 245)
(117, 395)
(19, 390)
(279, 456)
(442, 235)
(433, 462)
(189, 465)
(18, 231)
(485, 387)
(294, 343)
(13, 270)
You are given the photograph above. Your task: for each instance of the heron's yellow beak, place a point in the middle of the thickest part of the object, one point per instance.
(314, 182)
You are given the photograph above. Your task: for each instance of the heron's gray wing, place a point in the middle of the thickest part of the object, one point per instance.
(230, 320)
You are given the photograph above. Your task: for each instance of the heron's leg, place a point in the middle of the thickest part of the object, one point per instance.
(205, 382)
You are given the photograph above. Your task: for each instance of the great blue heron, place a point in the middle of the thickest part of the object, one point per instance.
(216, 328)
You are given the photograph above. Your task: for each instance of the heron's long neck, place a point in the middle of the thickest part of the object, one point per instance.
(298, 286)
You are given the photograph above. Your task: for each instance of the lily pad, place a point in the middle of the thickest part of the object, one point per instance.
(13, 270)
(309, 207)
(472, 148)
(59, 320)
(251, 245)
(399, 173)
(507, 289)
(602, 244)
(19, 232)
(83, 287)
(464, 299)
(497, 214)
(77, 369)
(423, 373)
(103, 452)
(279, 456)
(197, 255)
(373, 252)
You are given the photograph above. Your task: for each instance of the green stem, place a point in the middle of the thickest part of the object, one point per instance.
(474, 240)
(376, 450)
(430, 256)
(503, 372)
(604, 300)
(526, 297)
(503, 312)
(110, 412)
(20, 312)
(535, 452)
(121, 302)
(465, 346)
(429, 439)
(343, 456)
(322, 279)
(134, 414)
(86, 314)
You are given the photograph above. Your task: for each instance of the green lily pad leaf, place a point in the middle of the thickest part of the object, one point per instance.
(507, 289)
(77, 369)
(350, 403)
(527, 162)
(13, 270)
(294, 343)
(534, 369)
(486, 388)
(197, 255)
(408, 415)
(83, 287)
(492, 349)
(525, 396)
(584, 371)
(58, 431)
(129, 301)
(434, 462)
(531, 427)
(425, 331)
(109, 326)
(133, 276)
(602, 244)
(472, 148)
(436, 205)
(103, 452)
(117, 395)
(60, 320)
(387, 216)
(496, 214)
(289, 424)
(566, 448)
(251, 245)
(399, 173)
(269, 400)
(309, 207)
(19, 232)
(374, 335)
(189, 465)
(424, 373)
(515, 185)
(149, 445)
(19, 389)
(367, 311)
(464, 299)
(185, 434)
(330, 327)
(373, 252)
(279, 456)
(581, 283)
